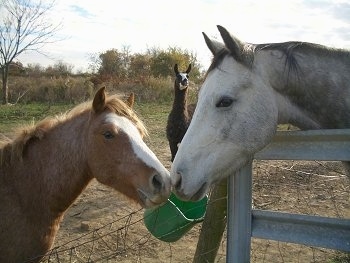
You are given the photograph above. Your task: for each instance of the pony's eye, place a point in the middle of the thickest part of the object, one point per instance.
(108, 135)
(224, 102)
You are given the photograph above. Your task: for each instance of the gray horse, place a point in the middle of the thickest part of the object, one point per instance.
(248, 90)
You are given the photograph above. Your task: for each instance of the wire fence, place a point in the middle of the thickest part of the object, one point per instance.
(102, 228)
(301, 187)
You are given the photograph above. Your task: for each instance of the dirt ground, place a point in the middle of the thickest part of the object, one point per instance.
(103, 226)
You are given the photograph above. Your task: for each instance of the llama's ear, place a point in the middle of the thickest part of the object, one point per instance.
(234, 45)
(176, 69)
(131, 99)
(213, 45)
(189, 68)
(99, 101)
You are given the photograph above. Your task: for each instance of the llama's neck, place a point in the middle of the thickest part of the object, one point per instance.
(180, 100)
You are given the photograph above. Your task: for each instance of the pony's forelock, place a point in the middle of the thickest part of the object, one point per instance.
(115, 104)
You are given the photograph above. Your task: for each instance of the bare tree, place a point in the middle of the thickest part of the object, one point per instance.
(24, 26)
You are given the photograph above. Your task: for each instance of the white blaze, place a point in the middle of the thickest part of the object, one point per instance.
(141, 150)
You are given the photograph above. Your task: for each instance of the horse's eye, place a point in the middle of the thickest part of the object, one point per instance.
(108, 135)
(224, 102)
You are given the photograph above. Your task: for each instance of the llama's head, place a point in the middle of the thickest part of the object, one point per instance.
(181, 81)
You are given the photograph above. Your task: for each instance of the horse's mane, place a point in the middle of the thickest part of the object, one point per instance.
(246, 57)
(12, 150)
(289, 49)
(304, 47)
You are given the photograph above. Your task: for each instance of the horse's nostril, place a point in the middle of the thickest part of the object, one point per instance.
(157, 182)
(178, 182)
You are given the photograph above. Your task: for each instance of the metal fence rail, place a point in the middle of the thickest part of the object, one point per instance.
(244, 223)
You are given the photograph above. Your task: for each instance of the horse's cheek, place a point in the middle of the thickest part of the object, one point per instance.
(98, 160)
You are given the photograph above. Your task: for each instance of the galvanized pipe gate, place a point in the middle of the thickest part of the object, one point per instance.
(244, 222)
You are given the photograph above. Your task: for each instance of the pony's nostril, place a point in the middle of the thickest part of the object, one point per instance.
(157, 182)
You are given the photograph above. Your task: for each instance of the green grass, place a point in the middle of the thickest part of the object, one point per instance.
(341, 258)
(12, 116)
(153, 114)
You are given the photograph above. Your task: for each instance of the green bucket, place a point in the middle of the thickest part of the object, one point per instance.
(172, 220)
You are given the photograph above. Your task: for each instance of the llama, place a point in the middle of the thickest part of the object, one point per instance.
(181, 114)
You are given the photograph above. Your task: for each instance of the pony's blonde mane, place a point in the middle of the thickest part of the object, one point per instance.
(12, 150)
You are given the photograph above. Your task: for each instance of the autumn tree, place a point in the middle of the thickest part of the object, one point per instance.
(140, 66)
(114, 63)
(24, 26)
(163, 61)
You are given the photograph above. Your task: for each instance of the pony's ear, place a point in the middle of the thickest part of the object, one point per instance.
(213, 45)
(131, 99)
(232, 44)
(99, 101)
(176, 69)
(189, 69)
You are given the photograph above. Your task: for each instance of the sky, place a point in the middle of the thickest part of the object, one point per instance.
(94, 26)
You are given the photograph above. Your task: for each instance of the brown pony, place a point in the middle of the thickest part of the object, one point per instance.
(45, 168)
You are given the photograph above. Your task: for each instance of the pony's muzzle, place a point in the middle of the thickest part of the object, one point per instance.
(160, 186)
(157, 183)
(157, 192)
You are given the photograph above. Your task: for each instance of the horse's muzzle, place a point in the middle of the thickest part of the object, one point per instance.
(158, 191)
(180, 192)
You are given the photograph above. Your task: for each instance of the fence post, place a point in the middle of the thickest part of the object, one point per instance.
(214, 224)
(239, 215)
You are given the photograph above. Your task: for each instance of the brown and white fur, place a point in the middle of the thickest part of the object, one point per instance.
(46, 167)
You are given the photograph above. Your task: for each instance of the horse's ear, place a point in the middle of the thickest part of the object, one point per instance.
(213, 45)
(233, 44)
(176, 69)
(99, 101)
(131, 99)
(189, 68)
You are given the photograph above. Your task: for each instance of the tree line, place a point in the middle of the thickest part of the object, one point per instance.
(119, 65)
(155, 62)
(24, 26)
(150, 75)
